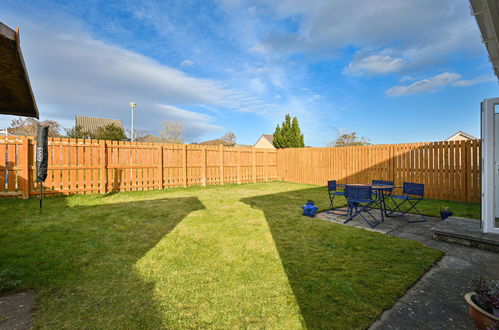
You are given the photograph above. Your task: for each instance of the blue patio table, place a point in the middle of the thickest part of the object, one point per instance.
(382, 191)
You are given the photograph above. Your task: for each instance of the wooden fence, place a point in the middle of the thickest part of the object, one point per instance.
(83, 166)
(450, 170)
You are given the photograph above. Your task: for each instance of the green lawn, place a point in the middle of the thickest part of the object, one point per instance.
(431, 207)
(218, 257)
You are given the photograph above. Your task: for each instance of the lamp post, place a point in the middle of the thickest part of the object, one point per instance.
(132, 105)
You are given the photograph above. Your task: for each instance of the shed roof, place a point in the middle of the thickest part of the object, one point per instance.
(16, 96)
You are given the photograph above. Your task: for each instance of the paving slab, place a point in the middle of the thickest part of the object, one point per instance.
(436, 300)
(16, 311)
(467, 232)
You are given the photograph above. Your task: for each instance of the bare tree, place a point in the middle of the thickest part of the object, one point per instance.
(137, 133)
(172, 131)
(230, 138)
(349, 139)
(28, 126)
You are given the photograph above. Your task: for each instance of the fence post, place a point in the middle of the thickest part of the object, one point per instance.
(266, 175)
(254, 165)
(103, 166)
(204, 166)
(184, 164)
(160, 167)
(25, 162)
(469, 194)
(238, 160)
(222, 164)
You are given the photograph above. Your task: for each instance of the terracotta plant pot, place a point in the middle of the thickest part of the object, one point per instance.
(481, 318)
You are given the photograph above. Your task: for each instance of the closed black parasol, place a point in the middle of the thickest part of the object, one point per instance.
(42, 157)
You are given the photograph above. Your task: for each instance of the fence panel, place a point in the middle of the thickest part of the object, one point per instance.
(449, 170)
(84, 166)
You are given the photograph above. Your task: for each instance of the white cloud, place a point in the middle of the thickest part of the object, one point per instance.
(257, 86)
(186, 63)
(258, 48)
(407, 78)
(431, 84)
(435, 83)
(420, 31)
(194, 120)
(478, 80)
(374, 64)
(75, 74)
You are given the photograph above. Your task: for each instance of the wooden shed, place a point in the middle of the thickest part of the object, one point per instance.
(16, 96)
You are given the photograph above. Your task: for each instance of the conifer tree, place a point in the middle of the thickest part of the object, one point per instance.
(288, 135)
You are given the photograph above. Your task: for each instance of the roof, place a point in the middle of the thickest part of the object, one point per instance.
(16, 96)
(152, 138)
(464, 134)
(487, 16)
(91, 124)
(216, 142)
(269, 137)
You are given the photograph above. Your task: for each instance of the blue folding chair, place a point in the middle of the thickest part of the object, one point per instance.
(386, 191)
(360, 199)
(382, 183)
(412, 194)
(332, 189)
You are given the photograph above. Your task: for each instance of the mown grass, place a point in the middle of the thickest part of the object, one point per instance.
(219, 257)
(431, 207)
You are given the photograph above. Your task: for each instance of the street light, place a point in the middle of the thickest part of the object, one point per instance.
(132, 105)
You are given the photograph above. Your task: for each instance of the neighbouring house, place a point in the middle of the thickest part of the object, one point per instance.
(153, 139)
(265, 141)
(461, 136)
(91, 124)
(215, 142)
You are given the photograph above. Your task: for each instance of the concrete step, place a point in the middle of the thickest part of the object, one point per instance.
(465, 232)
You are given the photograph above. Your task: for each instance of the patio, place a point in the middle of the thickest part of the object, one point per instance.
(436, 300)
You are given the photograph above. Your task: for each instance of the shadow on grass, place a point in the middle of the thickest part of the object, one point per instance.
(81, 259)
(341, 277)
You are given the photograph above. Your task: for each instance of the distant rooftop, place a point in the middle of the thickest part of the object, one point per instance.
(91, 124)
(216, 142)
(269, 137)
(460, 135)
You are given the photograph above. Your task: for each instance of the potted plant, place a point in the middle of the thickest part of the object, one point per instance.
(309, 209)
(483, 303)
(445, 212)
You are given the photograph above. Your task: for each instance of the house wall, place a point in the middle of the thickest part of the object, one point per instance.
(264, 143)
(458, 137)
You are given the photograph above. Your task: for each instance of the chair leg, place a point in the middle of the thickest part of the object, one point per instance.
(413, 206)
(396, 209)
(403, 213)
(358, 211)
(331, 203)
(332, 210)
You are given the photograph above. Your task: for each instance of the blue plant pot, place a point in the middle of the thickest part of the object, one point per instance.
(309, 209)
(445, 214)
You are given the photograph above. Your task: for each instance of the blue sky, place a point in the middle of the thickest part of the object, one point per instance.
(404, 71)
